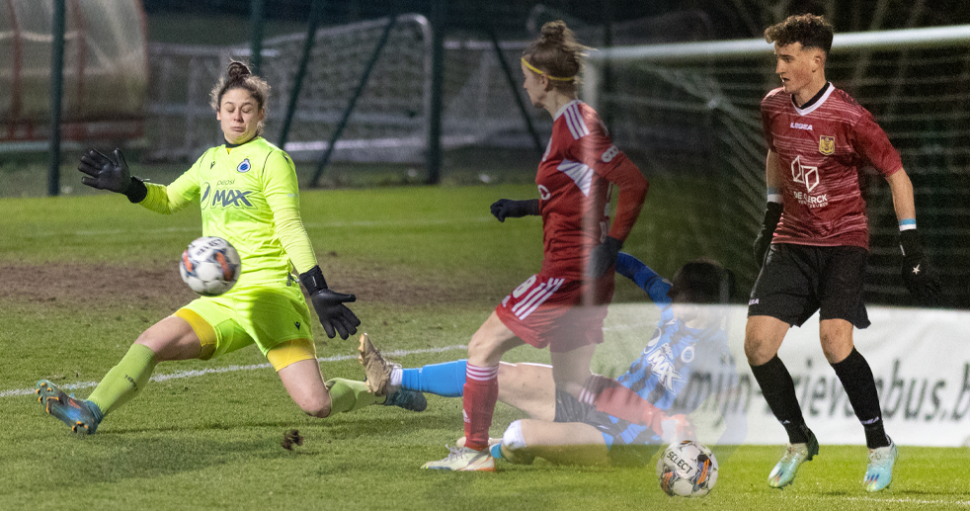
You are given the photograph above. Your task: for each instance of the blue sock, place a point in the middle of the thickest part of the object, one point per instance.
(446, 379)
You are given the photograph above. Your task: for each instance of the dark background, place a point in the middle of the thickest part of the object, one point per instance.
(731, 19)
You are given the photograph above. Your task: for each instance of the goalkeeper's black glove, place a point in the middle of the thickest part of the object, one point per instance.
(916, 272)
(106, 173)
(603, 257)
(335, 317)
(763, 241)
(508, 208)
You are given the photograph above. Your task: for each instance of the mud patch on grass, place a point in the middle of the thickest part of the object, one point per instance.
(159, 284)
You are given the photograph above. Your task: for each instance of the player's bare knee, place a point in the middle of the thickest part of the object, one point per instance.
(319, 410)
(836, 349)
(758, 351)
(319, 407)
(483, 350)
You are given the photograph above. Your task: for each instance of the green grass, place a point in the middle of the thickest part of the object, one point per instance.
(213, 441)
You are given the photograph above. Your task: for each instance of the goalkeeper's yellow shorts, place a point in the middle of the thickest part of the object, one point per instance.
(265, 316)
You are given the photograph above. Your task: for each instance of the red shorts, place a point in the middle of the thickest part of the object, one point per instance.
(548, 311)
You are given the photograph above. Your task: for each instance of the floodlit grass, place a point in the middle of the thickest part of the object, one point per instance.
(212, 440)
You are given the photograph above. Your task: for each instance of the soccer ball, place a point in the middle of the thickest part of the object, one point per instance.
(687, 469)
(210, 266)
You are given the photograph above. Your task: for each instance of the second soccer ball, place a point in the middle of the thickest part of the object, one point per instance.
(687, 469)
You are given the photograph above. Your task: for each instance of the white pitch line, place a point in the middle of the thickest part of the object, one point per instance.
(893, 500)
(233, 368)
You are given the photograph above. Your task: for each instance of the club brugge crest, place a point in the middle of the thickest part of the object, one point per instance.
(244, 166)
(826, 144)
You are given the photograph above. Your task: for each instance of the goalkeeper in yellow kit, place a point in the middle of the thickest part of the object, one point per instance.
(248, 193)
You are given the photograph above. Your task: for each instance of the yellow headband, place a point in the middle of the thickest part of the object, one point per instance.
(541, 72)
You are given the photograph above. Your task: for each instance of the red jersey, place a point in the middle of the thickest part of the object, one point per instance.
(821, 149)
(574, 180)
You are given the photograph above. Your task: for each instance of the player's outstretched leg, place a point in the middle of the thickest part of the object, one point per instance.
(463, 459)
(378, 378)
(880, 471)
(81, 415)
(784, 472)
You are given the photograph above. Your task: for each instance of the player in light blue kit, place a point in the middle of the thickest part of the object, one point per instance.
(612, 421)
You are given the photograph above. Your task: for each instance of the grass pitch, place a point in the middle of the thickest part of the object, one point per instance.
(81, 277)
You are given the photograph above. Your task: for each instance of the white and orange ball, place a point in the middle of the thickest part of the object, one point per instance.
(687, 469)
(210, 266)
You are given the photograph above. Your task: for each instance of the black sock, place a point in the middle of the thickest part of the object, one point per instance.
(856, 377)
(779, 390)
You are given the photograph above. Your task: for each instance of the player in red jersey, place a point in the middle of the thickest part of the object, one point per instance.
(814, 243)
(563, 306)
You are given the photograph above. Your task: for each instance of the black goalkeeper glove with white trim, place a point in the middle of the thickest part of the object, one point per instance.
(917, 275)
(335, 317)
(107, 173)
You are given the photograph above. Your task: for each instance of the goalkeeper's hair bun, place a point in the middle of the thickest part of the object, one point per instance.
(237, 71)
(557, 54)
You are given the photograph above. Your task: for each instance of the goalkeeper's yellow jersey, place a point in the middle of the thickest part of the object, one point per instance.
(249, 195)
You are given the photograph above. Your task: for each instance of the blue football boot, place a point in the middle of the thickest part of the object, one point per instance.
(879, 473)
(784, 472)
(81, 415)
(408, 399)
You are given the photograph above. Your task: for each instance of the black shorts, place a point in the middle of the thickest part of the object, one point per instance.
(797, 280)
(629, 444)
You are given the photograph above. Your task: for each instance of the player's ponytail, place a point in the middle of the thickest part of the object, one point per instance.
(557, 55)
(239, 76)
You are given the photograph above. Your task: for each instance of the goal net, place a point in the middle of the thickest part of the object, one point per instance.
(691, 111)
(390, 120)
(387, 123)
(104, 78)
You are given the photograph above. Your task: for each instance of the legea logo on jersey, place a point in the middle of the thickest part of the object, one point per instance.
(244, 166)
(826, 145)
(804, 174)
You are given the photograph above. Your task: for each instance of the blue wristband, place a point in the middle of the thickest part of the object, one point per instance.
(907, 224)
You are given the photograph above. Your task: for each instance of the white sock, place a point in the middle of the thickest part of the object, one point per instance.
(513, 438)
(397, 375)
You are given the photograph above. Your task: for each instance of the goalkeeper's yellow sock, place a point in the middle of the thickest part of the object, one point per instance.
(350, 395)
(125, 380)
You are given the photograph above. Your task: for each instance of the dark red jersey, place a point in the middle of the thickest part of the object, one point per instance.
(821, 149)
(574, 180)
